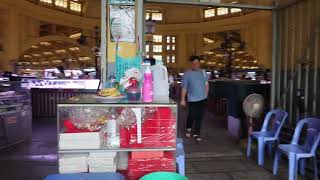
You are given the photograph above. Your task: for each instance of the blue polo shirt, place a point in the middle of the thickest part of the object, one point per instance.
(194, 81)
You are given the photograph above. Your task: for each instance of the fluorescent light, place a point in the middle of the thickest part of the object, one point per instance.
(208, 40)
(208, 52)
(45, 43)
(56, 61)
(74, 48)
(75, 35)
(60, 51)
(47, 53)
(27, 56)
(36, 55)
(84, 58)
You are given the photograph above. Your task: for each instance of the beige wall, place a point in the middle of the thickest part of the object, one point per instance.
(187, 24)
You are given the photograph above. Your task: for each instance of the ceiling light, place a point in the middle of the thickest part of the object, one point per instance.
(35, 47)
(36, 55)
(56, 61)
(208, 40)
(45, 43)
(75, 35)
(60, 51)
(45, 62)
(47, 53)
(74, 48)
(84, 58)
(208, 52)
(27, 56)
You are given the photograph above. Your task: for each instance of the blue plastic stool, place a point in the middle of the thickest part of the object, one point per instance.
(180, 157)
(86, 176)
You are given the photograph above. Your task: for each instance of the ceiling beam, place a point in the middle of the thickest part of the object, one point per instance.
(289, 3)
(228, 5)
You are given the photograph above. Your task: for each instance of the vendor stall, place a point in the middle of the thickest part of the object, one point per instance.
(46, 93)
(114, 134)
(15, 114)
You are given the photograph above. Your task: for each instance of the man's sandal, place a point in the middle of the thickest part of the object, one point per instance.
(197, 138)
(188, 133)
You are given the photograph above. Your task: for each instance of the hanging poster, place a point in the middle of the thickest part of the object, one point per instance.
(122, 23)
(122, 2)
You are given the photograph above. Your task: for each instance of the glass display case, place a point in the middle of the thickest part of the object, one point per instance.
(132, 137)
(62, 83)
(15, 114)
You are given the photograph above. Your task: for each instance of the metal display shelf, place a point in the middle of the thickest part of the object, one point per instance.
(66, 111)
(113, 150)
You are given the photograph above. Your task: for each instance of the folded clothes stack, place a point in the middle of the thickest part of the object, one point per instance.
(73, 163)
(102, 162)
(86, 140)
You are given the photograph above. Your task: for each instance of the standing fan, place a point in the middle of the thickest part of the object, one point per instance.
(253, 107)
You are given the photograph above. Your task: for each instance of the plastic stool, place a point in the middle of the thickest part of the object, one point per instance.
(163, 176)
(180, 156)
(86, 176)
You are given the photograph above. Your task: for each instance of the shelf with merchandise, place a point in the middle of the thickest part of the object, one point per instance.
(145, 132)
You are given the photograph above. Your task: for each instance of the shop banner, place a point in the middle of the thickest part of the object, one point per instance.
(122, 23)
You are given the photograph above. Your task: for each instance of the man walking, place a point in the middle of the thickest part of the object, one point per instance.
(195, 87)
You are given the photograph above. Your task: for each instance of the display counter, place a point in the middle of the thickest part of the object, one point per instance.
(45, 94)
(234, 92)
(15, 115)
(131, 137)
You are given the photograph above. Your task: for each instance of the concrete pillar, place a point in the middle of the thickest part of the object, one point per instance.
(12, 44)
(182, 57)
(264, 43)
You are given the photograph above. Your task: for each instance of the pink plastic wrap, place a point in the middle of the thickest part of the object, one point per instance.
(158, 130)
(137, 167)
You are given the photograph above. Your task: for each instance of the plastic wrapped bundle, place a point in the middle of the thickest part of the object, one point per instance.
(138, 167)
(158, 130)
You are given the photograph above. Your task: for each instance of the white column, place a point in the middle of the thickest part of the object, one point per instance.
(140, 24)
(103, 48)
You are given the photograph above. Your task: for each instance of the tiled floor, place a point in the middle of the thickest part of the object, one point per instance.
(220, 157)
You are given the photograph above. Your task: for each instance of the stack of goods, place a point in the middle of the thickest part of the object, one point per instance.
(88, 140)
(158, 130)
(73, 163)
(142, 163)
(122, 161)
(102, 162)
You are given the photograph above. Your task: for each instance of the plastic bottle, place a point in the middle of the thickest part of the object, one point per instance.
(147, 85)
(160, 80)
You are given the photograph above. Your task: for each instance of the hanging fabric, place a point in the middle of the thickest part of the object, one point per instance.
(123, 64)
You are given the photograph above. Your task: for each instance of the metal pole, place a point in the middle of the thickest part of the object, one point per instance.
(103, 48)
(315, 71)
(279, 65)
(274, 58)
(286, 45)
(292, 94)
(228, 5)
(140, 24)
